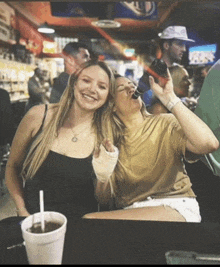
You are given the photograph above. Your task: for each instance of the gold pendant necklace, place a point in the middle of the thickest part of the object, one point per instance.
(75, 138)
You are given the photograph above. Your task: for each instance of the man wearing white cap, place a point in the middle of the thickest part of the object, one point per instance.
(173, 44)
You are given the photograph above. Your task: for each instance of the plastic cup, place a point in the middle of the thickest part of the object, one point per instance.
(44, 248)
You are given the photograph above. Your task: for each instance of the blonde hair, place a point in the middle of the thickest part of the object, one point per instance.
(113, 125)
(40, 147)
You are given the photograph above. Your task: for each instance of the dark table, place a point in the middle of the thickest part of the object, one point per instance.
(129, 242)
(136, 242)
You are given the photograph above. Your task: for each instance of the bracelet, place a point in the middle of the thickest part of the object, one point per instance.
(173, 103)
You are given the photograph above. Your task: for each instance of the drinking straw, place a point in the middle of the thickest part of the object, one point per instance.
(42, 210)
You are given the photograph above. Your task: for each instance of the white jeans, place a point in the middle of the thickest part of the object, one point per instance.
(188, 207)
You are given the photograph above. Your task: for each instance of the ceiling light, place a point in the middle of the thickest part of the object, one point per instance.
(106, 23)
(45, 28)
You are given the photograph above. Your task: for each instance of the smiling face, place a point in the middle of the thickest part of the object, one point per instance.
(125, 105)
(91, 88)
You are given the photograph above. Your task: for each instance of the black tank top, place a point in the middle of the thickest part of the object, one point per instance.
(68, 185)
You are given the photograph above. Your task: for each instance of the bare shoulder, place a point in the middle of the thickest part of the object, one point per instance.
(35, 112)
(51, 109)
(34, 117)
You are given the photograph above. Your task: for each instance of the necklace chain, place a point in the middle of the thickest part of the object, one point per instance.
(74, 138)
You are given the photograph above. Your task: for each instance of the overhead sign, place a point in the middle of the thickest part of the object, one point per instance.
(140, 10)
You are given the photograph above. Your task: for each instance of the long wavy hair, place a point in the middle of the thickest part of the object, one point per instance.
(42, 143)
(113, 125)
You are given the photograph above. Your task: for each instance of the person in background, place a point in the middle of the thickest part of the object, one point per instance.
(37, 93)
(129, 73)
(6, 129)
(205, 172)
(53, 146)
(198, 78)
(208, 109)
(6, 118)
(172, 43)
(6, 125)
(181, 85)
(205, 71)
(19, 50)
(46, 84)
(74, 55)
(149, 181)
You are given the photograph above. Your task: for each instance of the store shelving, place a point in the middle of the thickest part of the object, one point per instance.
(14, 78)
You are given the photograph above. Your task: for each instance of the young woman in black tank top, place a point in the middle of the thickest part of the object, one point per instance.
(54, 145)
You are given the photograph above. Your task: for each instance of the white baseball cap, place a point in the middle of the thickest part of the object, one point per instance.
(176, 32)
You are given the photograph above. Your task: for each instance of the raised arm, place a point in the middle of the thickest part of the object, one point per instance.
(24, 135)
(200, 138)
(104, 162)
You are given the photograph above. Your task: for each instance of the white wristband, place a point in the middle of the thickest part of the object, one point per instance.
(173, 103)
